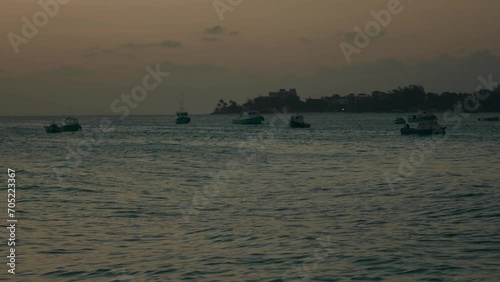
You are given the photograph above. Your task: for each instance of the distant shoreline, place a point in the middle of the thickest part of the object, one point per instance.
(228, 114)
(402, 100)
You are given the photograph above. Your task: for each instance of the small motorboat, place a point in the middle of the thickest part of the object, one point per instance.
(399, 120)
(53, 128)
(70, 124)
(297, 121)
(249, 118)
(427, 125)
(182, 115)
(182, 118)
(489, 119)
(424, 128)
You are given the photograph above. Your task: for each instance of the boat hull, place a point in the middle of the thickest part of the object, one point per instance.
(294, 124)
(412, 131)
(399, 121)
(70, 127)
(52, 129)
(182, 120)
(254, 120)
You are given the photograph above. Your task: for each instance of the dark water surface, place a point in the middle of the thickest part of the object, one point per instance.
(348, 199)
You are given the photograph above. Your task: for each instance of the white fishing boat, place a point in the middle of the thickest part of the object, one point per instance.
(53, 128)
(427, 125)
(182, 115)
(297, 121)
(251, 117)
(70, 124)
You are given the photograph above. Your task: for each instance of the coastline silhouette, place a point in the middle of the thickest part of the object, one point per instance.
(403, 99)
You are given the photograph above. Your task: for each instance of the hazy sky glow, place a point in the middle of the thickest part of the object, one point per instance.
(92, 51)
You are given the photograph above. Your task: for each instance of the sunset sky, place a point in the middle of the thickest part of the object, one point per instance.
(92, 51)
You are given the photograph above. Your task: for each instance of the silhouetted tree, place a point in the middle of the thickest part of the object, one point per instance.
(408, 98)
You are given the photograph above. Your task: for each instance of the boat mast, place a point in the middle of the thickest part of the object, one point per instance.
(182, 103)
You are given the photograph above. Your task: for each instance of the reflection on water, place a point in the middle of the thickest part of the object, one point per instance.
(212, 201)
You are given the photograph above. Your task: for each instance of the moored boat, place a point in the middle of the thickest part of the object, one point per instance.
(182, 115)
(53, 128)
(251, 117)
(70, 124)
(427, 125)
(399, 120)
(182, 118)
(297, 121)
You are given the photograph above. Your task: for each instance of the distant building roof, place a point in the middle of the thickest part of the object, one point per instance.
(283, 93)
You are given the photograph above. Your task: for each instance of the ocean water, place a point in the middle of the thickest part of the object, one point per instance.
(350, 198)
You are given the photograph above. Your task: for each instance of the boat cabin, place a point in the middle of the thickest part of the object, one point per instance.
(70, 120)
(297, 118)
(249, 114)
(421, 117)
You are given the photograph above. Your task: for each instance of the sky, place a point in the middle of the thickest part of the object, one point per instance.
(85, 55)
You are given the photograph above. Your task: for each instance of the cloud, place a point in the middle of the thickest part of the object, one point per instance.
(68, 71)
(444, 73)
(92, 51)
(439, 74)
(217, 33)
(215, 30)
(97, 50)
(108, 51)
(163, 44)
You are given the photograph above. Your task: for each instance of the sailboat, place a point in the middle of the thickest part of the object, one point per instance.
(182, 115)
